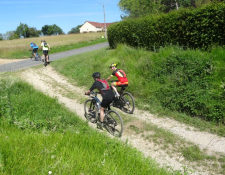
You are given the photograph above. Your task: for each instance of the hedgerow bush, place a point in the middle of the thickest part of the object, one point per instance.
(187, 82)
(199, 28)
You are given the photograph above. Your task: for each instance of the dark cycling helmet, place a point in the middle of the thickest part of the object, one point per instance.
(42, 40)
(96, 75)
(112, 65)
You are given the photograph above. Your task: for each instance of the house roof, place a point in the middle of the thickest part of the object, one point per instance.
(97, 24)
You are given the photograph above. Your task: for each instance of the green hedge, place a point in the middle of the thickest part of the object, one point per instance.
(199, 28)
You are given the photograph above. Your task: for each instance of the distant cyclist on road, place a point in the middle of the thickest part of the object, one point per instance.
(106, 92)
(45, 48)
(121, 76)
(34, 47)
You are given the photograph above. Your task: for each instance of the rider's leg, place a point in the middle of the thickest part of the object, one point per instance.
(102, 111)
(105, 104)
(114, 88)
(47, 59)
(43, 56)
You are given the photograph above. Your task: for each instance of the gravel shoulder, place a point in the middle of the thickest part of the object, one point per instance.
(5, 61)
(47, 80)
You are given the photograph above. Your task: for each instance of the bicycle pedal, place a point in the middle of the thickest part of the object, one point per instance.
(99, 126)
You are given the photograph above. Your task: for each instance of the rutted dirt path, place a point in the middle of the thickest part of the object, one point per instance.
(47, 80)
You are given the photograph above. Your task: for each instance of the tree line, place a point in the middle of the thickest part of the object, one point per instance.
(140, 8)
(24, 31)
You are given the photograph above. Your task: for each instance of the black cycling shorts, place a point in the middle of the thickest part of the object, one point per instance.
(45, 52)
(106, 102)
(35, 50)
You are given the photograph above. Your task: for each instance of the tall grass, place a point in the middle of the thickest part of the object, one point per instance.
(39, 135)
(170, 81)
(18, 48)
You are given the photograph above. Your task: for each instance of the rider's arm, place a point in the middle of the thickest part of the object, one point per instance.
(49, 47)
(92, 88)
(109, 78)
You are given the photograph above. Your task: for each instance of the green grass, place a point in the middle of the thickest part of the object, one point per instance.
(154, 87)
(71, 152)
(38, 135)
(71, 46)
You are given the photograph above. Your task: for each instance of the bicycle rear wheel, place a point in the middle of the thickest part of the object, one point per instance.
(127, 103)
(90, 111)
(45, 63)
(114, 123)
(38, 57)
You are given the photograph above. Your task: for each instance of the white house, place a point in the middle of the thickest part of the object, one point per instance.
(89, 26)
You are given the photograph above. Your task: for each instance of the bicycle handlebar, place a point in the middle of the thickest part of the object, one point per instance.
(92, 93)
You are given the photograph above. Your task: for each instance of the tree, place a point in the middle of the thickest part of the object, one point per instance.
(51, 30)
(33, 32)
(57, 30)
(75, 29)
(10, 35)
(22, 30)
(1, 37)
(138, 8)
(44, 30)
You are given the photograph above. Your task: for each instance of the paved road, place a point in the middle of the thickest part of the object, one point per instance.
(14, 66)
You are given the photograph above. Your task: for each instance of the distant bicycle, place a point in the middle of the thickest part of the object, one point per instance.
(113, 121)
(32, 57)
(125, 102)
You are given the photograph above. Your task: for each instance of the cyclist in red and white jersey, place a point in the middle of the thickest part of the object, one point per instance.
(121, 76)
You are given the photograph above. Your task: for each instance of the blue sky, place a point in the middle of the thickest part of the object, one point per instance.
(64, 13)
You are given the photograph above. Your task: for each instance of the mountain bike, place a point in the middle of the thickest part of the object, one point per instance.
(32, 57)
(112, 119)
(125, 102)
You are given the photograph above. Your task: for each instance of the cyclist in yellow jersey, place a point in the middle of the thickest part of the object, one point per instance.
(45, 48)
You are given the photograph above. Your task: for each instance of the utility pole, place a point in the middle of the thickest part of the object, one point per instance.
(104, 19)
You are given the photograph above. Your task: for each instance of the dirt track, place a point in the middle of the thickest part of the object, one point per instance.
(47, 80)
(5, 61)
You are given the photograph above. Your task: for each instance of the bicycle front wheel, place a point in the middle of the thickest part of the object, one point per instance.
(127, 102)
(90, 110)
(32, 56)
(114, 123)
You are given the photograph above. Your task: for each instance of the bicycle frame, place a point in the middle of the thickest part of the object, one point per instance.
(122, 102)
(113, 122)
(93, 95)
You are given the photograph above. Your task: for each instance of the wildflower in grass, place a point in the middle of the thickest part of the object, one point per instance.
(103, 162)
(49, 172)
(53, 156)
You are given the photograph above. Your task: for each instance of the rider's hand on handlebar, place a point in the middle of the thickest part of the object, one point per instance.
(87, 93)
